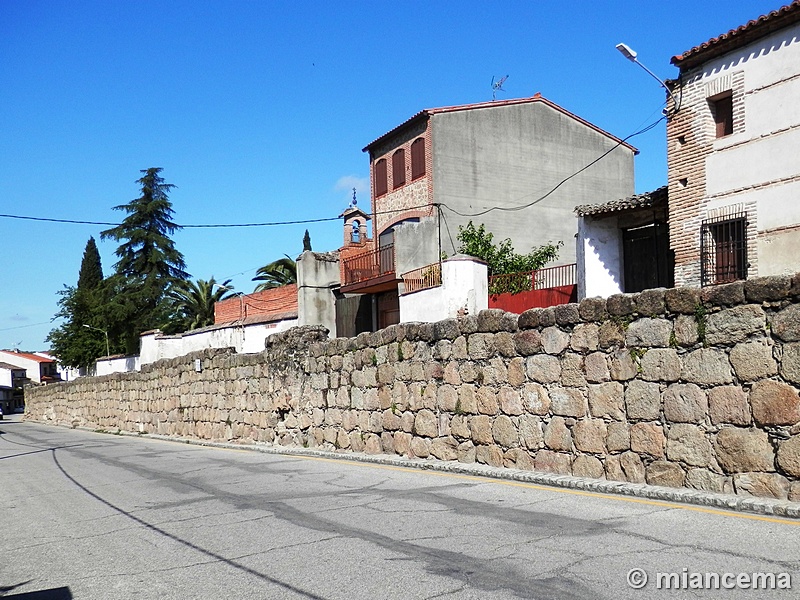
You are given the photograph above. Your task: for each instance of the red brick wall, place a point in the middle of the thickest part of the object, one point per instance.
(273, 304)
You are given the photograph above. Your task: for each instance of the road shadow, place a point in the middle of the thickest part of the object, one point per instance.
(61, 593)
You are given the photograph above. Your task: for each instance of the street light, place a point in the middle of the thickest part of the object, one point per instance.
(108, 351)
(630, 54)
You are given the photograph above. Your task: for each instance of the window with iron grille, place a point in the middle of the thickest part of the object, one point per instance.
(381, 182)
(723, 249)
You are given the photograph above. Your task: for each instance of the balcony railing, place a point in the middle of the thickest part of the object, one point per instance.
(369, 265)
(423, 278)
(541, 279)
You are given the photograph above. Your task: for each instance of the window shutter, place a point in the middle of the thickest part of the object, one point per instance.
(723, 116)
(418, 158)
(381, 185)
(398, 168)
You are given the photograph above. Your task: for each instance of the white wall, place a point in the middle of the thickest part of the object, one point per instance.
(246, 339)
(123, 364)
(758, 165)
(465, 288)
(599, 257)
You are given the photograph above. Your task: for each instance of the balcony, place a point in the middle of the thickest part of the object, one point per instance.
(370, 272)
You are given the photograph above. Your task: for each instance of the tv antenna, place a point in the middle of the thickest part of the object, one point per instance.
(497, 86)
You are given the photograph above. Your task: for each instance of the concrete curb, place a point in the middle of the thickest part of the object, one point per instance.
(749, 504)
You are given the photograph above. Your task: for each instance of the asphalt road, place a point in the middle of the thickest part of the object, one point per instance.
(92, 515)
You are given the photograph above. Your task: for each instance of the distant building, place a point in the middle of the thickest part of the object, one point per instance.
(39, 369)
(431, 172)
(12, 380)
(733, 148)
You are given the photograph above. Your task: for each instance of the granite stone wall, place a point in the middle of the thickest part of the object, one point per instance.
(678, 387)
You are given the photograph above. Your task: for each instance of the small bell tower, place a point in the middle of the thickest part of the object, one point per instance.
(355, 224)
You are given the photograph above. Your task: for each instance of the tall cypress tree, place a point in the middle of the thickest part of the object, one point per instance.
(72, 342)
(149, 264)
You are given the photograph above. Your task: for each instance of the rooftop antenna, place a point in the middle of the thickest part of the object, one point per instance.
(497, 86)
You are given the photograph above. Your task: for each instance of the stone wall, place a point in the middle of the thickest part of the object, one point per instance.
(679, 387)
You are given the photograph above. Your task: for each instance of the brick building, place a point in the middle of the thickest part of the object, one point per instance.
(732, 149)
(444, 167)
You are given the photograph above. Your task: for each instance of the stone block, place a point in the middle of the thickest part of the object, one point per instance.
(774, 403)
(587, 466)
(620, 305)
(660, 364)
(543, 368)
(567, 314)
(786, 324)
(648, 438)
(743, 450)
(510, 401)
(535, 399)
(728, 294)
(593, 309)
(554, 340)
(504, 344)
(567, 402)
(667, 474)
(459, 427)
(632, 467)
(447, 398)
(650, 302)
(682, 300)
(487, 401)
(685, 328)
(789, 456)
(613, 469)
(481, 428)
(504, 432)
(618, 438)
(528, 342)
(557, 435)
(728, 404)
(446, 330)
(529, 319)
(753, 360)
(419, 447)
(585, 337)
(596, 367)
(790, 363)
(733, 325)
(516, 372)
(426, 424)
(547, 317)
(465, 453)
(708, 481)
(589, 435)
(607, 400)
(444, 448)
(685, 403)
(490, 455)
(767, 289)
(480, 346)
(610, 334)
(531, 432)
(518, 458)
(572, 370)
(623, 368)
(648, 333)
(690, 445)
(553, 462)
(762, 485)
(707, 366)
(643, 401)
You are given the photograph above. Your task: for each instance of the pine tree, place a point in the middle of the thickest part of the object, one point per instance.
(149, 264)
(75, 344)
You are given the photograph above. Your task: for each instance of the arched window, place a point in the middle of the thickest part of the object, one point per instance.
(355, 233)
(418, 158)
(381, 183)
(399, 168)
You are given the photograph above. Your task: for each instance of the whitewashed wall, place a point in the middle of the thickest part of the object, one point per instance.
(599, 256)
(465, 288)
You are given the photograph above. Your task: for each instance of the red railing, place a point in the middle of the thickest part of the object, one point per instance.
(369, 265)
(423, 278)
(541, 279)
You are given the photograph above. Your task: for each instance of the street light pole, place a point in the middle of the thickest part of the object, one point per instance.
(108, 351)
(630, 54)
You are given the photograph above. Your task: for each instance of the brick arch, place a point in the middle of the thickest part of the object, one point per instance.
(410, 214)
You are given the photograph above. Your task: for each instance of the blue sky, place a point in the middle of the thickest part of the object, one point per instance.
(258, 111)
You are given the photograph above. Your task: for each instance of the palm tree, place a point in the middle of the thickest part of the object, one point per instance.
(194, 303)
(277, 273)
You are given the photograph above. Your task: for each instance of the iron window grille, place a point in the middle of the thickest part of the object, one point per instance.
(723, 249)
